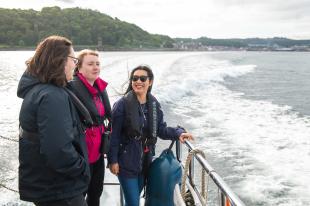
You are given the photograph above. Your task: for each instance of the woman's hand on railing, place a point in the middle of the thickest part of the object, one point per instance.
(114, 168)
(185, 136)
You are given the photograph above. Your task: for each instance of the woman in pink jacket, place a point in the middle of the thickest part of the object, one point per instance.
(91, 90)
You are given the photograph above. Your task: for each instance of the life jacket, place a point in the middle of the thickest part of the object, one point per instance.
(133, 112)
(83, 94)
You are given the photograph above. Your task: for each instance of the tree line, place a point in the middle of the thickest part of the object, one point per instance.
(25, 28)
(248, 42)
(82, 26)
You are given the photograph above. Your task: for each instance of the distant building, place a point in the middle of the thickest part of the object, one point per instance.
(99, 44)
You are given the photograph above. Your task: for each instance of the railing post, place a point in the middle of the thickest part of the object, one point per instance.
(191, 170)
(178, 150)
(222, 199)
(121, 196)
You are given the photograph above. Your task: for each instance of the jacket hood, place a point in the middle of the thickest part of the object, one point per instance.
(26, 83)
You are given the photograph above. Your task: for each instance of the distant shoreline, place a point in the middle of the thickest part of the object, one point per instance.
(80, 47)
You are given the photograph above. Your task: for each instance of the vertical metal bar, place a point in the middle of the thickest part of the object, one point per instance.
(222, 198)
(192, 170)
(121, 196)
(178, 150)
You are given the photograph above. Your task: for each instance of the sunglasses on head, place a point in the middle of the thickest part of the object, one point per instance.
(142, 78)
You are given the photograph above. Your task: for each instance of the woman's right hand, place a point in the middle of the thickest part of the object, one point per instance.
(114, 168)
(185, 136)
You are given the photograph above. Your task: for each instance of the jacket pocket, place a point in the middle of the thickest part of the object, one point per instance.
(29, 158)
(130, 157)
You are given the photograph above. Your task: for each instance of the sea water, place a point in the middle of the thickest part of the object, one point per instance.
(249, 112)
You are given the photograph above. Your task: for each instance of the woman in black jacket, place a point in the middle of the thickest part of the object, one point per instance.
(53, 165)
(137, 122)
(91, 90)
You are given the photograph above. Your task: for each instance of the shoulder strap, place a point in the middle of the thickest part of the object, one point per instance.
(107, 119)
(80, 107)
(152, 115)
(84, 96)
(171, 144)
(106, 104)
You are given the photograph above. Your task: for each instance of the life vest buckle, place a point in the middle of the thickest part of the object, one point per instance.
(137, 137)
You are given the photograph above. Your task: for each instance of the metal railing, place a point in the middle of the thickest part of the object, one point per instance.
(120, 190)
(227, 196)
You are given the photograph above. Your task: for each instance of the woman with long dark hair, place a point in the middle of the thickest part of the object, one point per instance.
(53, 166)
(137, 122)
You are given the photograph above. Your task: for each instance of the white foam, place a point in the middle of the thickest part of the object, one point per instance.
(261, 139)
(271, 140)
(266, 145)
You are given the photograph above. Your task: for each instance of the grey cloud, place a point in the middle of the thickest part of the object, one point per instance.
(291, 10)
(290, 5)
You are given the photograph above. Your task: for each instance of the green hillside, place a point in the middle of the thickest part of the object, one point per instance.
(92, 29)
(83, 26)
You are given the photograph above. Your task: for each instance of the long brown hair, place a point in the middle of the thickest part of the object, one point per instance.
(49, 60)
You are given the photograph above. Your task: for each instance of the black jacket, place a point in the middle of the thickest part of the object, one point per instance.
(54, 164)
(80, 90)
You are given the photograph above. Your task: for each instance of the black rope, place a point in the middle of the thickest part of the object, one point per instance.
(9, 139)
(12, 190)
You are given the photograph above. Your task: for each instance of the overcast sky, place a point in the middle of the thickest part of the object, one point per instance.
(196, 18)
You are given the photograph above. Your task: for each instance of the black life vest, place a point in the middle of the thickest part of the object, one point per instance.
(80, 90)
(133, 112)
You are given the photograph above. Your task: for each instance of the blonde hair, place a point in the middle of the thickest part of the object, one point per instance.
(81, 56)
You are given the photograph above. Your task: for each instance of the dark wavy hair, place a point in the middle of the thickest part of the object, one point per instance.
(49, 60)
(149, 74)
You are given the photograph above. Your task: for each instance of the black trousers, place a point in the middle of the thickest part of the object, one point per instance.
(74, 201)
(95, 186)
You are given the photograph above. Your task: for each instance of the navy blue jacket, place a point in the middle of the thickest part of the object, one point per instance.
(128, 152)
(53, 161)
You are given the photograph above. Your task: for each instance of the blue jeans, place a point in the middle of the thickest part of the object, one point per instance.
(132, 188)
